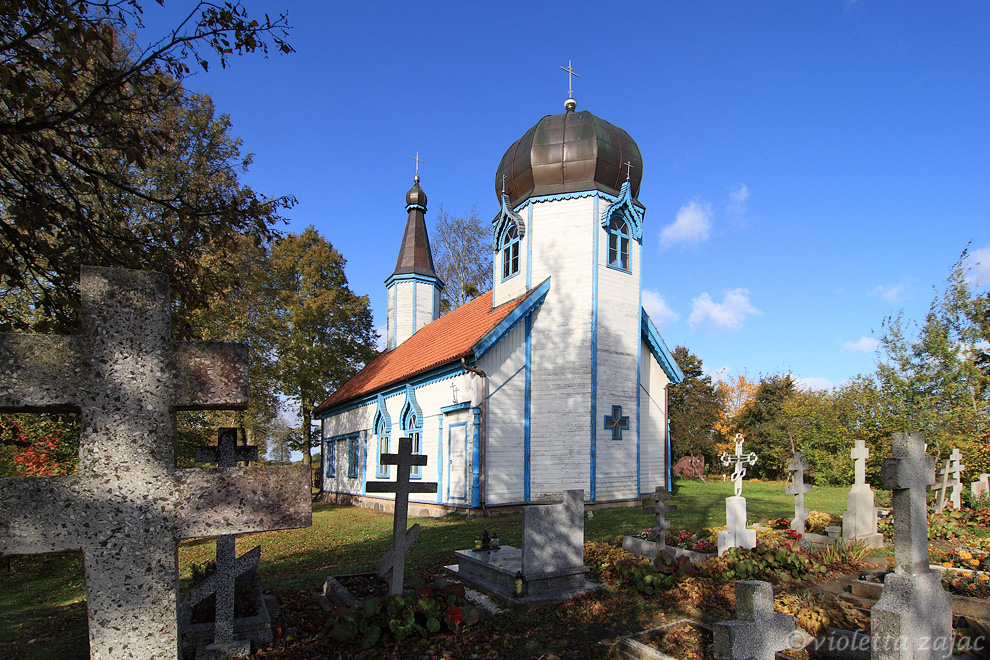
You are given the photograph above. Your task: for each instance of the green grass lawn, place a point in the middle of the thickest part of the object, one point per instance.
(42, 598)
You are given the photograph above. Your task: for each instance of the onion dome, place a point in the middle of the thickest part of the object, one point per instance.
(569, 152)
(415, 256)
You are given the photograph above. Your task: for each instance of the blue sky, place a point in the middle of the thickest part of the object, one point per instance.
(809, 168)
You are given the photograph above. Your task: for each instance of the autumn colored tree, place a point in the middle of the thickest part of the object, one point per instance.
(766, 427)
(318, 331)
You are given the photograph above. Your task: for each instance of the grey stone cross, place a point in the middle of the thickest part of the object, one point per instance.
(757, 632)
(859, 454)
(740, 460)
(395, 559)
(659, 530)
(955, 478)
(908, 473)
(128, 506)
(798, 488)
(221, 583)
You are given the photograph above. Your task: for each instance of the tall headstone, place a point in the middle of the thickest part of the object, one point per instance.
(737, 535)
(226, 454)
(394, 561)
(553, 537)
(757, 632)
(913, 618)
(955, 478)
(798, 488)
(128, 506)
(859, 520)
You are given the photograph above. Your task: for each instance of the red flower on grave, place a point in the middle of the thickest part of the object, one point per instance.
(455, 614)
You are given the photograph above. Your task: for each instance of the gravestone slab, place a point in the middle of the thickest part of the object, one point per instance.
(913, 618)
(757, 632)
(128, 506)
(859, 520)
(553, 536)
(798, 489)
(981, 487)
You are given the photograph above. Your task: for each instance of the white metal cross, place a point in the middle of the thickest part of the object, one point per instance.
(740, 459)
(418, 161)
(570, 72)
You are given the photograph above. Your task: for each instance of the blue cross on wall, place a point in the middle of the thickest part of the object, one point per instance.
(617, 422)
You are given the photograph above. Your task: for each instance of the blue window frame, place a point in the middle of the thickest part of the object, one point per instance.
(381, 430)
(510, 252)
(331, 459)
(412, 427)
(618, 243)
(352, 457)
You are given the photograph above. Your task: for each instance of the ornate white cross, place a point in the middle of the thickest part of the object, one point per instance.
(740, 460)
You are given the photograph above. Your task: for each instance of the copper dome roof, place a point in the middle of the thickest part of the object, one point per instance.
(569, 152)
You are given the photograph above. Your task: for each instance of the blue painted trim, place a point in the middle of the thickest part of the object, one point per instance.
(330, 469)
(616, 422)
(506, 279)
(476, 461)
(420, 207)
(394, 315)
(525, 308)
(529, 251)
(639, 388)
(659, 349)
(593, 447)
(382, 417)
(463, 405)
(413, 277)
(501, 222)
(440, 459)
(506, 381)
(571, 195)
(353, 458)
(621, 270)
(463, 494)
(363, 460)
(670, 463)
(625, 205)
(528, 410)
(411, 409)
(415, 307)
(443, 372)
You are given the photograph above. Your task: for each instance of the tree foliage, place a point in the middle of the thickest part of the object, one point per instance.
(91, 118)
(463, 252)
(694, 409)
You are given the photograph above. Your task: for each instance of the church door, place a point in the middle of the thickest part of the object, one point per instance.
(456, 463)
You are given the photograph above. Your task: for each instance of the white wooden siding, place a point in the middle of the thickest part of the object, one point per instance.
(505, 366)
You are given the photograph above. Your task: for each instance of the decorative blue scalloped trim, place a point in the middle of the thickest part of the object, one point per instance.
(410, 207)
(411, 406)
(624, 205)
(501, 223)
(659, 350)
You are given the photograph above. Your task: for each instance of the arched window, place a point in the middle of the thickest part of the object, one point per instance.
(618, 243)
(510, 252)
(383, 430)
(412, 427)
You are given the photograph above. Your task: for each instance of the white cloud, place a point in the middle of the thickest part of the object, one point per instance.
(693, 224)
(814, 383)
(380, 343)
(726, 315)
(720, 375)
(892, 293)
(979, 262)
(737, 199)
(861, 345)
(658, 309)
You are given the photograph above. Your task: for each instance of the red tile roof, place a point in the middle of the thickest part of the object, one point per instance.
(447, 339)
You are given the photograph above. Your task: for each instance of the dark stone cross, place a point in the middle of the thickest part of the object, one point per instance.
(908, 473)
(395, 559)
(226, 454)
(617, 422)
(798, 488)
(660, 526)
(128, 506)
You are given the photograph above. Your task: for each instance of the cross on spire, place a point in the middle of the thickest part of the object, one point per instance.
(394, 560)
(418, 161)
(503, 184)
(570, 72)
(740, 460)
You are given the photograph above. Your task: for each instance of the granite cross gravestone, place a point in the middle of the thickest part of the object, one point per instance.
(736, 534)
(758, 632)
(660, 510)
(394, 560)
(859, 520)
(128, 505)
(913, 618)
(955, 478)
(798, 489)
(226, 454)
(941, 485)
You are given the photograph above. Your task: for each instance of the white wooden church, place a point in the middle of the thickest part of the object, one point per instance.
(556, 379)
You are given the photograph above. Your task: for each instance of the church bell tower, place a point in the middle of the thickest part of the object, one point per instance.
(413, 287)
